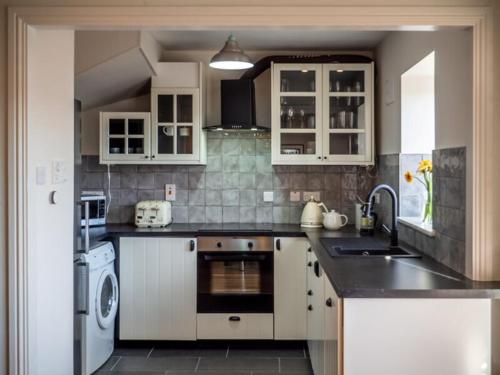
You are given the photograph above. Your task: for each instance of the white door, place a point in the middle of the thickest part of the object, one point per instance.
(296, 113)
(176, 124)
(107, 299)
(158, 288)
(290, 299)
(125, 137)
(348, 113)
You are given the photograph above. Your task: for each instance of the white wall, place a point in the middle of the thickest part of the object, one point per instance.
(50, 242)
(398, 52)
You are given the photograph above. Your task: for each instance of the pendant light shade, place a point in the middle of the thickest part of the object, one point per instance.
(231, 57)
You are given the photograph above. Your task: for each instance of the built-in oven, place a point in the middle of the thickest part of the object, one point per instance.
(235, 274)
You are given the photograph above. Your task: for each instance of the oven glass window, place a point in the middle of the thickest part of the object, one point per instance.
(235, 278)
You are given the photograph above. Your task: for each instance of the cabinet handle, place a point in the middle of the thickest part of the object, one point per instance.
(234, 318)
(192, 245)
(324, 157)
(310, 308)
(309, 264)
(146, 157)
(316, 269)
(329, 302)
(309, 250)
(319, 157)
(309, 292)
(278, 244)
(153, 156)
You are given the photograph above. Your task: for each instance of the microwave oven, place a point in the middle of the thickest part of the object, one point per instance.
(97, 210)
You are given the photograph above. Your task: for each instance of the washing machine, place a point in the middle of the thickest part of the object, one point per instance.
(99, 323)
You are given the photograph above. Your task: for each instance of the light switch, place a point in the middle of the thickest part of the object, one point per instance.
(295, 196)
(268, 196)
(41, 175)
(59, 172)
(170, 192)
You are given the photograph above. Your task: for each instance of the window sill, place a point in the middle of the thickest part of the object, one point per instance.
(416, 224)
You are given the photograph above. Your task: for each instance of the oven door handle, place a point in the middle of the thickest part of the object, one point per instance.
(233, 258)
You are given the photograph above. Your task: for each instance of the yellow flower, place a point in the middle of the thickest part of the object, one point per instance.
(425, 166)
(409, 177)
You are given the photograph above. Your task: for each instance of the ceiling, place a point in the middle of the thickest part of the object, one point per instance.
(278, 39)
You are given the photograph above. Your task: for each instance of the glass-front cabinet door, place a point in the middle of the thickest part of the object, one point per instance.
(176, 124)
(347, 113)
(296, 113)
(125, 136)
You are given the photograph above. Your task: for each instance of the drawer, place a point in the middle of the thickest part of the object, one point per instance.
(235, 326)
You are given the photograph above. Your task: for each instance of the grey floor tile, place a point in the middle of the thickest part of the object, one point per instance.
(133, 352)
(201, 352)
(138, 372)
(300, 365)
(156, 364)
(210, 373)
(270, 349)
(111, 362)
(238, 364)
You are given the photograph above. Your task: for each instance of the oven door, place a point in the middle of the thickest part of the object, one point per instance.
(235, 282)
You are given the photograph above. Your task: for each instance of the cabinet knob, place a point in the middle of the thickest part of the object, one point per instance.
(219, 244)
(309, 292)
(153, 156)
(319, 157)
(146, 157)
(250, 245)
(309, 264)
(309, 250)
(329, 302)
(324, 157)
(310, 308)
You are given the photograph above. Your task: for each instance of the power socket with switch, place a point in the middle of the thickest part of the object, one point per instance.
(170, 192)
(295, 196)
(308, 194)
(268, 196)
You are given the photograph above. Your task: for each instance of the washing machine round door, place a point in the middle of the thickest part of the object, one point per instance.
(107, 299)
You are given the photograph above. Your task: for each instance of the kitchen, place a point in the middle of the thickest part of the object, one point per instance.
(283, 297)
(226, 205)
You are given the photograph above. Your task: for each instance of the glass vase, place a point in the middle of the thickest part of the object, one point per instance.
(427, 216)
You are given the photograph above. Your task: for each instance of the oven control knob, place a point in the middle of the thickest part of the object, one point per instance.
(250, 245)
(219, 244)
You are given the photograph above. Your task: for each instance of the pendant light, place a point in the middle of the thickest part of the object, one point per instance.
(231, 57)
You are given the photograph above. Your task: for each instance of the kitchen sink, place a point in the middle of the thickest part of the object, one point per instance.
(364, 247)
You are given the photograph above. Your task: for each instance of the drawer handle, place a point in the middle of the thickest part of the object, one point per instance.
(192, 245)
(316, 269)
(278, 244)
(234, 318)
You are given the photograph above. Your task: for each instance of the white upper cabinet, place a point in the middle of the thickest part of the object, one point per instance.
(172, 133)
(322, 114)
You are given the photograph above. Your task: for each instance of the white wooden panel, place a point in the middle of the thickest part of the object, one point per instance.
(158, 289)
(250, 327)
(177, 74)
(315, 315)
(417, 336)
(332, 329)
(290, 298)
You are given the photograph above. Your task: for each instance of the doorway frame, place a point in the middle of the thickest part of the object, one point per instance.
(362, 18)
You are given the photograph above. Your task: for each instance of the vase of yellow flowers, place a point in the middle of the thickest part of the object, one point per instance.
(425, 171)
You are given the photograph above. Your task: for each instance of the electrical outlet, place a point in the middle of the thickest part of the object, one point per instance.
(268, 196)
(295, 196)
(308, 194)
(170, 192)
(59, 172)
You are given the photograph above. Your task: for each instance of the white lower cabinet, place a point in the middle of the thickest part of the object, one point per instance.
(157, 288)
(235, 326)
(324, 321)
(290, 301)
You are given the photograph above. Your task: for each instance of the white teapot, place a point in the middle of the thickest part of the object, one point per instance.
(333, 220)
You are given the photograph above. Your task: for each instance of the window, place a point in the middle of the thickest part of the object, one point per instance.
(417, 135)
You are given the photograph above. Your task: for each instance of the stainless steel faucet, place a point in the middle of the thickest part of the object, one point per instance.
(394, 198)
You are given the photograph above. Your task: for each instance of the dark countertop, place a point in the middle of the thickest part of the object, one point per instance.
(373, 277)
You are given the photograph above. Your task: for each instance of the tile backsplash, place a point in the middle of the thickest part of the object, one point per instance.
(449, 198)
(230, 187)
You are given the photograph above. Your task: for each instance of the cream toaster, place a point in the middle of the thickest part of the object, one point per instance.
(153, 214)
